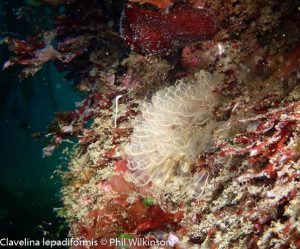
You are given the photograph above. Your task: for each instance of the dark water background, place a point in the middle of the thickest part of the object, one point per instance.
(29, 191)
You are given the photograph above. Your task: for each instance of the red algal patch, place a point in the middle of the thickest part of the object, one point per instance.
(121, 186)
(291, 63)
(121, 165)
(154, 32)
(121, 217)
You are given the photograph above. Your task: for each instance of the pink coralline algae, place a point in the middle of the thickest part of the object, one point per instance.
(154, 32)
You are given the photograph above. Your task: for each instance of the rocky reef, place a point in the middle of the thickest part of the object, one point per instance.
(190, 129)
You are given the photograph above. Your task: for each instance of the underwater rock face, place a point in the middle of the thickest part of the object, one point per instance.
(251, 196)
(154, 32)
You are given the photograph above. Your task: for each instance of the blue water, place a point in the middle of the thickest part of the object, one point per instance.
(29, 191)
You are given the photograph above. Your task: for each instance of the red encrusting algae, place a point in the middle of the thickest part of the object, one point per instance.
(156, 32)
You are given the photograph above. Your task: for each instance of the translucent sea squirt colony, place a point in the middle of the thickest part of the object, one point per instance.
(174, 129)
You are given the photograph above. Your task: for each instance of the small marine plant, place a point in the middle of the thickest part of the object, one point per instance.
(172, 132)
